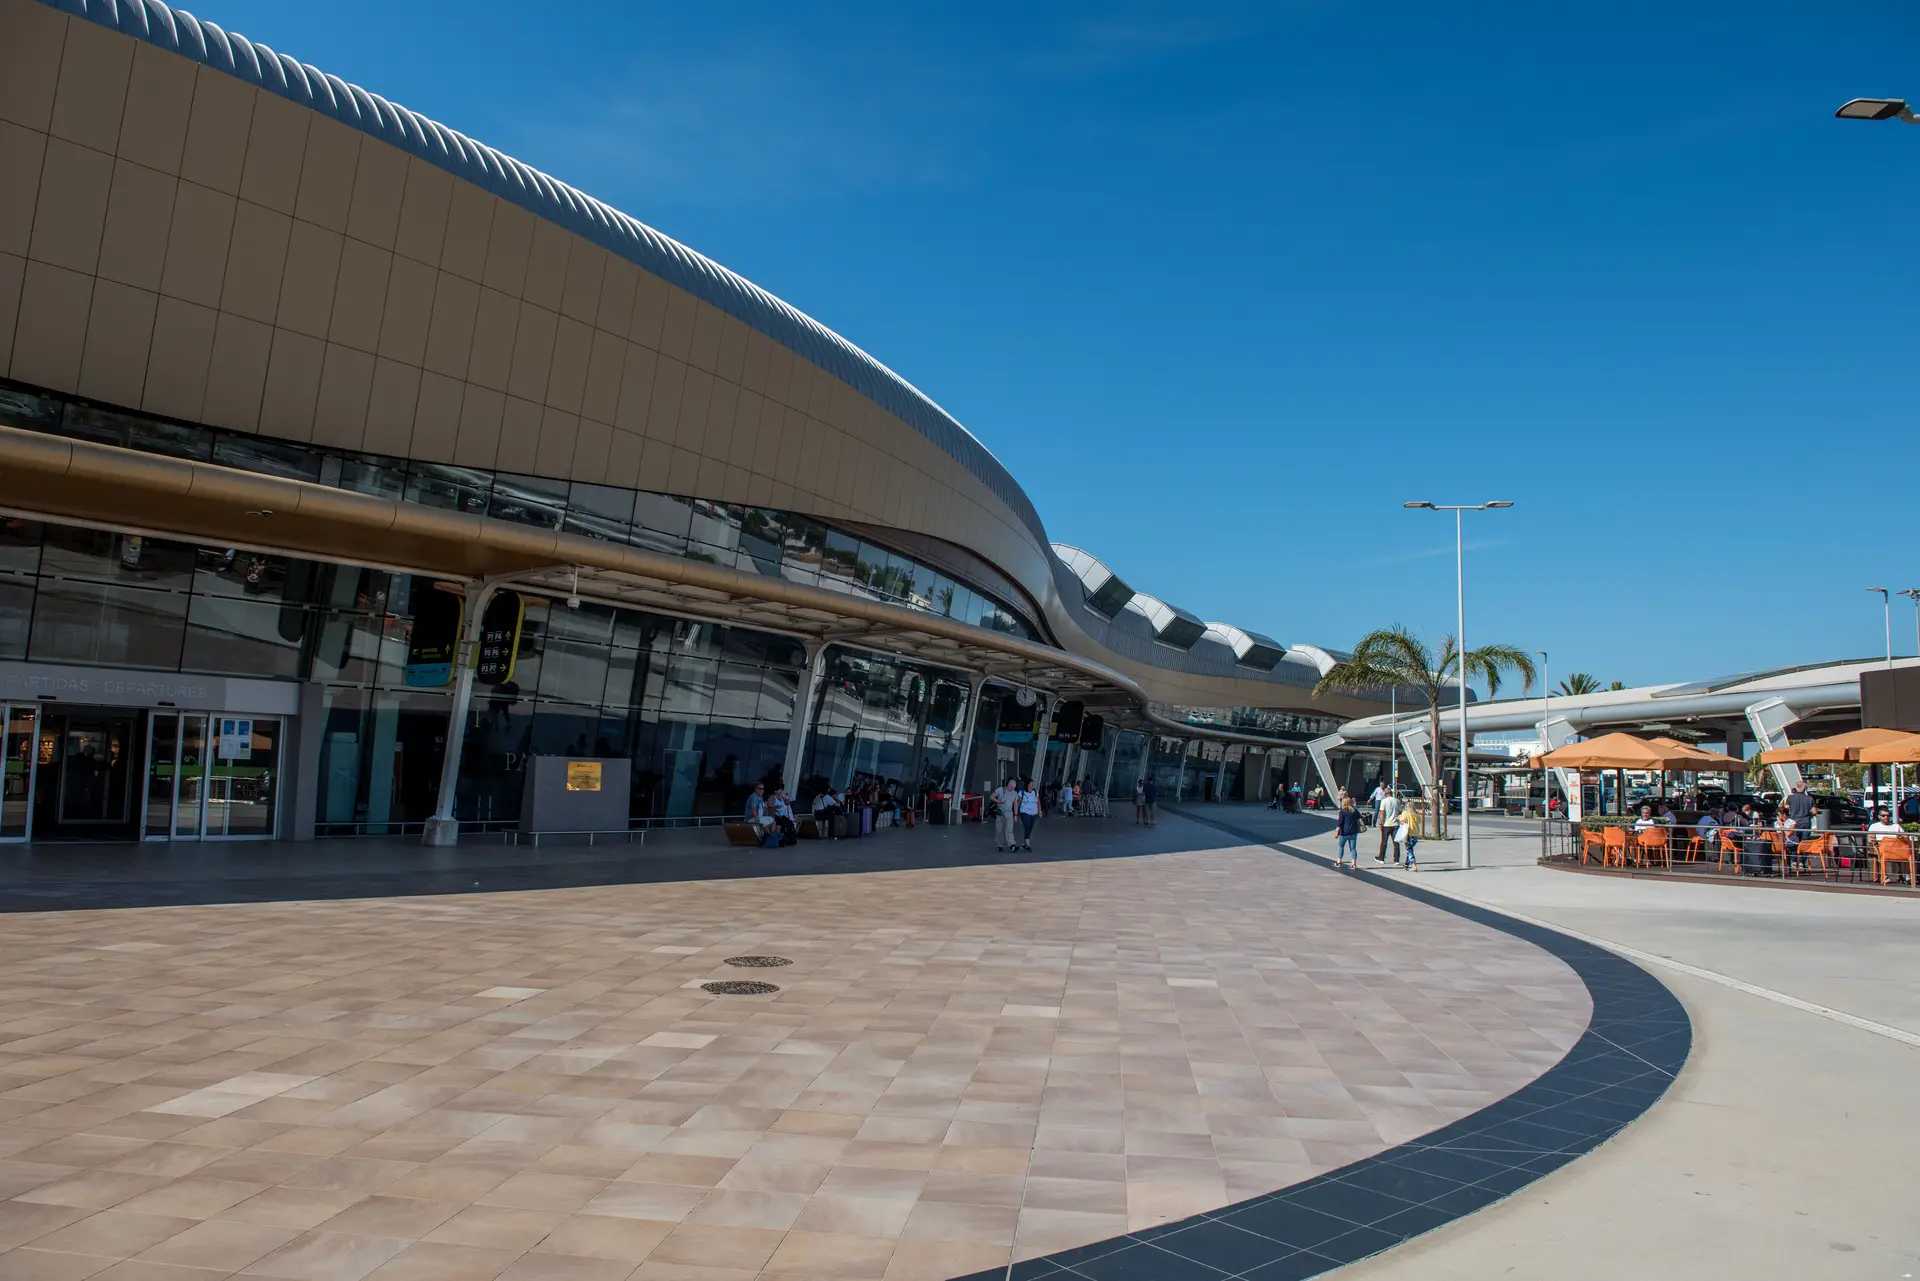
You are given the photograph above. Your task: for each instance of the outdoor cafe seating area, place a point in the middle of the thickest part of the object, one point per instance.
(1659, 836)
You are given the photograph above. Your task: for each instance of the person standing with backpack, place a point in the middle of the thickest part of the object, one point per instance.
(1149, 797)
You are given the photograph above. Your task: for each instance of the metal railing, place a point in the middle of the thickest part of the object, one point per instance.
(1851, 854)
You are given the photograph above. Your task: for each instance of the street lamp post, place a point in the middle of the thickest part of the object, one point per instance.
(1877, 109)
(1460, 603)
(1546, 731)
(1886, 610)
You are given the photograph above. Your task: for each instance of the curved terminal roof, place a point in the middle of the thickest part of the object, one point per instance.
(1205, 647)
(1171, 624)
(1249, 648)
(546, 197)
(1107, 595)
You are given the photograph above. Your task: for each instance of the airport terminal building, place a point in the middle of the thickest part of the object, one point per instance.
(348, 466)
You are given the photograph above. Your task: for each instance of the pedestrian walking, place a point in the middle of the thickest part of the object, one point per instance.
(1140, 800)
(1006, 801)
(1347, 827)
(1386, 817)
(1410, 833)
(1149, 796)
(1029, 812)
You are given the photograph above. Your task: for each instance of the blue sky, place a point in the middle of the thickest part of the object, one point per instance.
(1224, 286)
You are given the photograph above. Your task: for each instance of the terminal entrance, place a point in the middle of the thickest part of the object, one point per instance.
(126, 774)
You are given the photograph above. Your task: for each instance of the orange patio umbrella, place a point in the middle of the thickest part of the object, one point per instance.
(1905, 750)
(1708, 761)
(1838, 747)
(1623, 751)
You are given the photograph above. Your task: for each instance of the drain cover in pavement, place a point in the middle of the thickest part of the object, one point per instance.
(758, 962)
(739, 987)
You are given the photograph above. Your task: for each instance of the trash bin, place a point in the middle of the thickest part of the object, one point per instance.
(970, 807)
(937, 806)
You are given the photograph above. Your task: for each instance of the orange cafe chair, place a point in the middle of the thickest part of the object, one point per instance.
(1894, 849)
(1695, 847)
(1653, 845)
(1817, 849)
(1730, 851)
(1591, 841)
(1616, 852)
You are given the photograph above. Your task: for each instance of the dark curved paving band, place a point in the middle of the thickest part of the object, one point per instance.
(1633, 1048)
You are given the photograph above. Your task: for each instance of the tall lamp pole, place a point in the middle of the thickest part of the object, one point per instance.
(1546, 731)
(1886, 611)
(1460, 602)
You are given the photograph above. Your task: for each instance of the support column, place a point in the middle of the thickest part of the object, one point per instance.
(810, 675)
(1220, 776)
(1106, 784)
(1180, 779)
(978, 684)
(1558, 732)
(1318, 750)
(1769, 720)
(1045, 719)
(443, 828)
(1736, 746)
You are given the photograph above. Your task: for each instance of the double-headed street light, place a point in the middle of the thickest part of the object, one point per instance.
(1886, 612)
(1877, 109)
(1460, 590)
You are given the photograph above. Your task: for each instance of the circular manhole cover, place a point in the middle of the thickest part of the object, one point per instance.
(739, 987)
(758, 962)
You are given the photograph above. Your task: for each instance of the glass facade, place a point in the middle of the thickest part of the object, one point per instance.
(702, 710)
(757, 540)
(885, 720)
(1265, 722)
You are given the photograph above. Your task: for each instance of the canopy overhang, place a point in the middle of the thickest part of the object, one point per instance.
(59, 479)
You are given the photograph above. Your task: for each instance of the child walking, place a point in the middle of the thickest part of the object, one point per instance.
(1410, 832)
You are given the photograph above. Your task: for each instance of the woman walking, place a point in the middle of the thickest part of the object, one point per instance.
(1347, 824)
(1029, 812)
(1410, 832)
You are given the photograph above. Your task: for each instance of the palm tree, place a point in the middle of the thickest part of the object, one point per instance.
(1394, 656)
(1579, 683)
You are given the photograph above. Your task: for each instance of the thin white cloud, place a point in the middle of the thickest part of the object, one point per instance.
(1428, 553)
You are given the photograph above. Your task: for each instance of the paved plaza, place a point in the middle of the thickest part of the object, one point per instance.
(963, 1065)
(1786, 1147)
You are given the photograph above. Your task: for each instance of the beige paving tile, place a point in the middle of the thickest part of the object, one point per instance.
(219, 1244)
(963, 1064)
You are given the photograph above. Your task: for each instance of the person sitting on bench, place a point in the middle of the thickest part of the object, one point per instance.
(783, 817)
(757, 812)
(826, 808)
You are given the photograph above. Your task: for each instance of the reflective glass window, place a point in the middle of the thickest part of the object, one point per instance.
(243, 637)
(600, 511)
(133, 431)
(85, 622)
(461, 489)
(16, 614)
(19, 545)
(69, 552)
(25, 410)
(370, 474)
(268, 457)
(660, 523)
(528, 500)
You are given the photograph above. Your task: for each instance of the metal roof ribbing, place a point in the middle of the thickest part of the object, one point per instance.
(546, 197)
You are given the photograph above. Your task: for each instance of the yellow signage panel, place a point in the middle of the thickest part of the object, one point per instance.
(583, 776)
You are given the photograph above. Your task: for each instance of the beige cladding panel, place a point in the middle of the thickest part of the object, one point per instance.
(264, 268)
